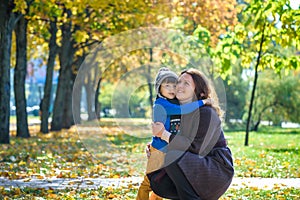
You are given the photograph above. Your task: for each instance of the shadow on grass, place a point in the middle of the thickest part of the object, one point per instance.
(283, 150)
(278, 130)
(129, 139)
(268, 130)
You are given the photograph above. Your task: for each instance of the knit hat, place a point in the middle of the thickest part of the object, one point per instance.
(162, 74)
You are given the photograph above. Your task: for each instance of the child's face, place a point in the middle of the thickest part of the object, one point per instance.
(168, 90)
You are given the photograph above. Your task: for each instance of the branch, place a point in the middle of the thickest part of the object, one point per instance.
(86, 44)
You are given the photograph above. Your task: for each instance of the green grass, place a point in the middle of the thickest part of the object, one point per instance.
(257, 194)
(271, 153)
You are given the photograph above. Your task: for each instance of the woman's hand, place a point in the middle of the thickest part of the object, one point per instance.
(148, 153)
(157, 129)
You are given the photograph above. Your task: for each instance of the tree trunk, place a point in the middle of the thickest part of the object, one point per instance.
(7, 21)
(48, 86)
(255, 127)
(149, 81)
(254, 86)
(89, 98)
(76, 96)
(63, 93)
(97, 103)
(68, 114)
(19, 78)
(77, 90)
(150, 86)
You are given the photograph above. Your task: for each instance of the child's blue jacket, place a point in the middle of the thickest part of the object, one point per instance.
(163, 109)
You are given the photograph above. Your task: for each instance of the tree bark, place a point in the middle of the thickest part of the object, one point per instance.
(254, 86)
(89, 98)
(255, 127)
(76, 101)
(149, 81)
(63, 100)
(97, 103)
(19, 78)
(92, 87)
(7, 21)
(53, 48)
(77, 91)
(68, 114)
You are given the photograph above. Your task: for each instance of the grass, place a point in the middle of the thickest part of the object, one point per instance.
(116, 149)
(269, 154)
(257, 194)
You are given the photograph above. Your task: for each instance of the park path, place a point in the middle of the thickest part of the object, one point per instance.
(94, 183)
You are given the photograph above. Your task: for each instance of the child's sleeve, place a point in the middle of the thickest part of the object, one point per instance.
(159, 113)
(174, 109)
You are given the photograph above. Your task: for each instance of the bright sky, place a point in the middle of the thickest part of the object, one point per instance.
(295, 4)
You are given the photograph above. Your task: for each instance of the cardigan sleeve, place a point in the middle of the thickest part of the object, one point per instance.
(199, 132)
(174, 109)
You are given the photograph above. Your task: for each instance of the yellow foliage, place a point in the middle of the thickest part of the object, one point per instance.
(20, 6)
(216, 16)
(81, 36)
(22, 163)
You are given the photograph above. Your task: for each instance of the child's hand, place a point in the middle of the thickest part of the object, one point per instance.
(207, 101)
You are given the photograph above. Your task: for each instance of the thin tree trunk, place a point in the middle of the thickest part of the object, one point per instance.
(19, 78)
(91, 93)
(77, 91)
(89, 98)
(255, 127)
(7, 21)
(76, 96)
(254, 86)
(97, 103)
(48, 86)
(149, 81)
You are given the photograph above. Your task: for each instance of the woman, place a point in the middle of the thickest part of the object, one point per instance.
(198, 164)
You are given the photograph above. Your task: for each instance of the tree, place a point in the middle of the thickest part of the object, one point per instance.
(90, 22)
(86, 25)
(61, 118)
(119, 16)
(266, 25)
(216, 16)
(43, 31)
(19, 77)
(7, 23)
(53, 48)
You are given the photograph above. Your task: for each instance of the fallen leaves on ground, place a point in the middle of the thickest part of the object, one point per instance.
(64, 155)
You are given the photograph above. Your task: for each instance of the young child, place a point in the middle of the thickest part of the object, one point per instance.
(167, 110)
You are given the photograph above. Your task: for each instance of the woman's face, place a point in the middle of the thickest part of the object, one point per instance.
(185, 88)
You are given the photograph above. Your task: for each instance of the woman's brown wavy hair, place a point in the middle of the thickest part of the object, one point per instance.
(204, 89)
